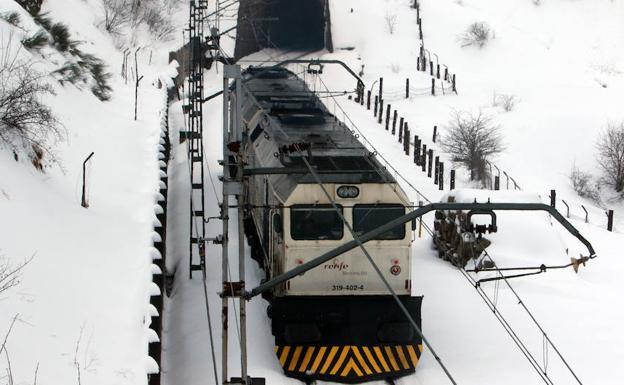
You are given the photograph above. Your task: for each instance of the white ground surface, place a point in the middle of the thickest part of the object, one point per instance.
(91, 267)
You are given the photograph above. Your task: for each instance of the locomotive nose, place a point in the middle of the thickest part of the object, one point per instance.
(353, 339)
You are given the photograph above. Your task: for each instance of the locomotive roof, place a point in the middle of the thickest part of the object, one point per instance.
(299, 125)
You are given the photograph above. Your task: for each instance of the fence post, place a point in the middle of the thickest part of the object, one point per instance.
(368, 100)
(610, 220)
(441, 176)
(435, 133)
(418, 64)
(452, 180)
(423, 158)
(438, 71)
(416, 150)
(376, 103)
(497, 182)
(430, 168)
(401, 130)
(454, 88)
(433, 86)
(586, 214)
(407, 88)
(436, 170)
(420, 28)
(394, 120)
(380, 116)
(388, 117)
(406, 140)
(380, 88)
(553, 198)
(446, 74)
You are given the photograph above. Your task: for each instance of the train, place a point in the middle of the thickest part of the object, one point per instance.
(337, 322)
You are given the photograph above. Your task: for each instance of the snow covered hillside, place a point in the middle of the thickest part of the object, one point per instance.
(79, 311)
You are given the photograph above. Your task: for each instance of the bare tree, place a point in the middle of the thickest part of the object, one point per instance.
(391, 20)
(26, 124)
(471, 140)
(116, 15)
(610, 155)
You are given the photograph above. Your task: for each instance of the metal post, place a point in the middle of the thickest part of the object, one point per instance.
(441, 175)
(609, 220)
(380, 88)
(416, 149)
(435, 133)
(454, 87)
(376, 105)
(431, 67)
(423, 158)
(84, 202)
(368, 99)
(394, 120)
(401, 130)
(430, 168)
(567, 208)
(406, 140)
(225, 219)
(241, 235)
(433, 86)
(438, 71)
(553, 198)
(586, 214)
(497, 182)
(436, 170)
(452, 187)
(388, 117)
(380, 116)
(407, 88)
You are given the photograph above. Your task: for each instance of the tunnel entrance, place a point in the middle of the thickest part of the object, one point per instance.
(300, 25)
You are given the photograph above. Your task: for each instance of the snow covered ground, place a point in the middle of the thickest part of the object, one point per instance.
(561, 109)
(90, 272)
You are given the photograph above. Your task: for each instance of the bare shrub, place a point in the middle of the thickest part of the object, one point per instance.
(10, 275)
(507, 102)
(584, 184)
(391, 20)
(26, 124)
(477, 33)
(471, 140)
(116, 16)
(610, 157)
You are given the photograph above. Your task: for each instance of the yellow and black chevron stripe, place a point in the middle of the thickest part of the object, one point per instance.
(348, 363)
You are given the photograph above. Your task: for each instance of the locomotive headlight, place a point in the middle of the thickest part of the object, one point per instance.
(348, 191)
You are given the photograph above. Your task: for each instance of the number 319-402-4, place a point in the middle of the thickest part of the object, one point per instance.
(347, 287)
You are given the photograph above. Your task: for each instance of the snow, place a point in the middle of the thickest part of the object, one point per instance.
(88, 285)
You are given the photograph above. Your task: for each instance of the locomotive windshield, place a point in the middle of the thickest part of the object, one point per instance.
(369, 217)
(315, 222)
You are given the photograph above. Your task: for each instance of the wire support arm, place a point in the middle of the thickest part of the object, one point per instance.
(409, 217)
